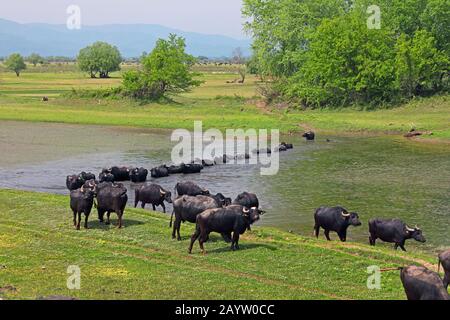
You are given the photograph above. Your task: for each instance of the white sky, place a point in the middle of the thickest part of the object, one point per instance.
(204, 16)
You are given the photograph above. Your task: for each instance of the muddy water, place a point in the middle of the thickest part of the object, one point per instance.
(375, 176)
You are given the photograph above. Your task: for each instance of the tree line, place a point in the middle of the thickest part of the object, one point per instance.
(324, 53)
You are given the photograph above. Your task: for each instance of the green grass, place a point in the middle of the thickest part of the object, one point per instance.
(216, 103)
(141, 261)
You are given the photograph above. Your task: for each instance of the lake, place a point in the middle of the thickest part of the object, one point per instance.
(376, 176)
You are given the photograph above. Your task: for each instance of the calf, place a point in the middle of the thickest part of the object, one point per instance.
(393, 231)
(422, 284)
(189, 188)
(138, 175)
(336, 219)
(186, 208)
(444, 259)
(111, 198)
(233, 219)
(81, 201)
(153, 194)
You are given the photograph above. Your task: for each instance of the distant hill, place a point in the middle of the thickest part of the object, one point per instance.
(131, 39)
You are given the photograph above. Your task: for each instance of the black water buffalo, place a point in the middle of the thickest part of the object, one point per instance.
(86, 176)
(287, 145)
(119, 173)
(336, 219)
(186, 208)
(111, 197)
(138, 175)
(106, 177)
(74, 182)
(176, 169)
(232, 219)
(444, 259)
(153, 194)
(280, 148)
(247, 199)
(309, 135)
(393, 231)
(159, 172)
(422, 284)
(189, 188)
(81, 201)
(192, 168)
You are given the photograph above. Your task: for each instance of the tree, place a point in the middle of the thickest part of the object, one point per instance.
(101, 58)
(15, 63)
(239, 59)
(166, 70)
(34, 59)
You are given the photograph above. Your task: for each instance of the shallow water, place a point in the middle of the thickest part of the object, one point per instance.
(375, 176)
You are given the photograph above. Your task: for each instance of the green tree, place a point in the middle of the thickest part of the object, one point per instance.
(99, 58)
(166, 70)
(34, 59)
(15, 63)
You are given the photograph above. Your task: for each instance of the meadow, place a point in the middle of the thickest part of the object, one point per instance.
(217, 103)
(141, 261)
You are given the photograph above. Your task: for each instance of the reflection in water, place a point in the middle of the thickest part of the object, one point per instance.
(375, 176)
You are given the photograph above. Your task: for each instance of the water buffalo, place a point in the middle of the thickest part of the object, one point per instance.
(247, 199)
(190, 189)
(309, 135)
(81, 201)
(74, 182)
(111, 197)
(422, 284)
(207, 163)
(232, 219)
(280, 148)
(393, 231)
(138, 175)
(120, 173)
(176, 169)
(86, 176)
(336, 219)
(186, 208)
(192, 168)
(159, 172)
(287, 145)
(444, 259)
(106, 177)
(153, 194)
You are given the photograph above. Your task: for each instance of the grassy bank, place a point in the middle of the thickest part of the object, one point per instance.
(218, 104)
(38, 243)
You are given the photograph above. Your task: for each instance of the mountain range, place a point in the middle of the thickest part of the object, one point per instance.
(131, 39)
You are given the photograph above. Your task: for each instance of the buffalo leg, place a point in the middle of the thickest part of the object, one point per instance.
(446, 279)
(74, 219)
(174, 230)
(86, 217)
(316, 230)
(79, 221)
(372, 240)
(194, 238)
(120, 219)
(178, 230)
(164, 207)
(396, 246)
(143, 205)
(327, 235)
(235, 241)
(108, 214)
(101, 214)
(402, 246)
(154, 208)
(343, 236)
(202, 239)
(226, 237)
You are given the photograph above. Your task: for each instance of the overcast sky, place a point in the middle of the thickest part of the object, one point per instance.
(205, 16)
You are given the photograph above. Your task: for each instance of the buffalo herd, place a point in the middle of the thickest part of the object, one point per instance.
(231, 218)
